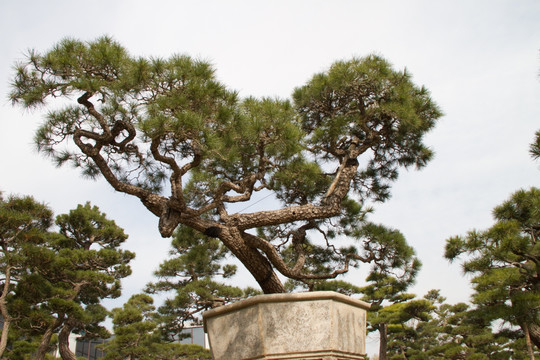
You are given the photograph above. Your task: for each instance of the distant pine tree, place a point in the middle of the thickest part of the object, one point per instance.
(505, 261)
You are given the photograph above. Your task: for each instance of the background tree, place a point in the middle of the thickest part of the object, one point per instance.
(81, 266)
(394, 270)
(190, 275)
(444, 331)
(535, 146)
(504, 261)
(136, 336)
(150, 124)
(393, 321)
(24, 224)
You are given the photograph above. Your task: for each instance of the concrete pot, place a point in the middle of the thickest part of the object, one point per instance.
(321, 325)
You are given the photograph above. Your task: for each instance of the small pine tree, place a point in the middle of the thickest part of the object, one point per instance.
(191, 275)
(68, 277)
(136, 335)
(504, 261)
(24, 224)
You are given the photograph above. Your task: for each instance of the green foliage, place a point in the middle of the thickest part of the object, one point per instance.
(505, 261)
(24, 226)
(190, 274)
(83, 266)
(61, 277)
(148, 123)
(136, 336)
(535, 146)
(430, 329)
(364, 101)
(394, 267)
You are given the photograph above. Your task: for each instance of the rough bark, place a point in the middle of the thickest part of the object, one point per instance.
(4, 339)
(4, 311)
(63, 343)
(383, 344)
(173, 211)
(534, 333)
(46, 339)
(528, 341)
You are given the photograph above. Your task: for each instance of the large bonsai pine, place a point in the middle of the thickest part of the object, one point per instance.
(167, 132)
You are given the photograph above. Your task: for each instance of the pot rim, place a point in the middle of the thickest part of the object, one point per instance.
(285, 297)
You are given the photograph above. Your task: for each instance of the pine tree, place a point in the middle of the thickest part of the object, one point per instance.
(24, 224)
(535, 146)
(504, 261)
(446, 332)
(167, 132)
(81, 265)
(394, 270)
(191, 274)
(136, 335)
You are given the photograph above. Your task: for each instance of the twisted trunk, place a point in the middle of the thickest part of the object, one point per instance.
(534, 334)
(255, 262)
(4, 311)
(63, 343)
(173, 211)
(45, 342)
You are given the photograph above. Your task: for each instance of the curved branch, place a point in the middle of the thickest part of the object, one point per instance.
(331, 204)
(294, 273)
(84, 100)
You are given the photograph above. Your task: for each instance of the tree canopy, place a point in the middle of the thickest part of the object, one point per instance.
(430, 329)
(137, 336)
(504, 261)
(24, 225)
(169, 133)
(53, 282)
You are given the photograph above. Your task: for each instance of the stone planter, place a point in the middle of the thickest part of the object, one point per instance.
(315, 325)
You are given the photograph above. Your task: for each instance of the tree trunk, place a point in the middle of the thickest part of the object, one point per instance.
(63, 343)
(46, 339)
(4, 312)
(528, 340)
(256, 263)
(534, 333)
(4, 338)
(383, 344)
(44, 343)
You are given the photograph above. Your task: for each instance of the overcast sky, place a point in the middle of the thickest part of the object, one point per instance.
(479, 59)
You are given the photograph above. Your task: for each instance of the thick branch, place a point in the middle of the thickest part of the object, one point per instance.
(293, 273)
(330, 207)
(84, 100)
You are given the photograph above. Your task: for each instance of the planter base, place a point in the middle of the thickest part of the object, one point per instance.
(312, 326)
(316, 355)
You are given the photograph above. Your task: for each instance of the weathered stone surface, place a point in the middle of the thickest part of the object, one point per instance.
(316, 325)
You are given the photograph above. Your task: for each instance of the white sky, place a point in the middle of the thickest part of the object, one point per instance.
(480, 60)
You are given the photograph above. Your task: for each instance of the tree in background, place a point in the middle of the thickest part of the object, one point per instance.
(393, 321)
(63, 276)
(394, 270)
(504, 261)
(24, 224)
(91, 242)
(136, 335)
(435, 330)
(167, 132)
(190, 274)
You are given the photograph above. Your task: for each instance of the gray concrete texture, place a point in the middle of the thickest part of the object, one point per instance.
(315, 325)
